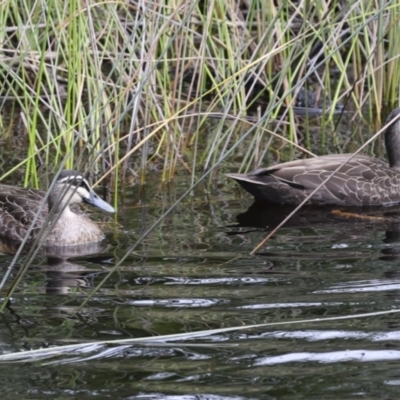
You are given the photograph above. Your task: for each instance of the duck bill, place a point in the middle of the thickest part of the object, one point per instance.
(96, 201)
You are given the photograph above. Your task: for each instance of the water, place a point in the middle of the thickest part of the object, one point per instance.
(194, 272)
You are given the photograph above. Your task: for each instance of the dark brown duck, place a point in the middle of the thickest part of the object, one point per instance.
(362, 181)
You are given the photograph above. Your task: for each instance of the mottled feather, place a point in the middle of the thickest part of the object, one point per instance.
(358, 181)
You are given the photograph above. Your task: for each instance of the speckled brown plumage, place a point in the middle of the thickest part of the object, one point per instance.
(362, 181)
(18, 208)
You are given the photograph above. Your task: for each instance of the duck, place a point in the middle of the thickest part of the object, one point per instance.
(359, 181)
(62, 221)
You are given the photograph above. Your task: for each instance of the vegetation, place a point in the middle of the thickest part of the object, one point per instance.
(114, 86)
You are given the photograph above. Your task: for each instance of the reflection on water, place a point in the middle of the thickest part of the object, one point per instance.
(64, 276)
(195, 272)
(268, 216)
(332, 357)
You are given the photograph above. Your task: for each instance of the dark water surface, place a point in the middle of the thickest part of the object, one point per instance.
(194, 272)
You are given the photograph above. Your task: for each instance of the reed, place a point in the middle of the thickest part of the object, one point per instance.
(120, 86)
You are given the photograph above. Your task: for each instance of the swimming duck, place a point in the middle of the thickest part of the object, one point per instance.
(66, 227)
(362, 181)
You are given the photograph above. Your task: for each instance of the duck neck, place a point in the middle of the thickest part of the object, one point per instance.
(58, 208)
(392, 143)
(54, 206)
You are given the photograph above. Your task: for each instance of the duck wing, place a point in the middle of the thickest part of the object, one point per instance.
(18, 209)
